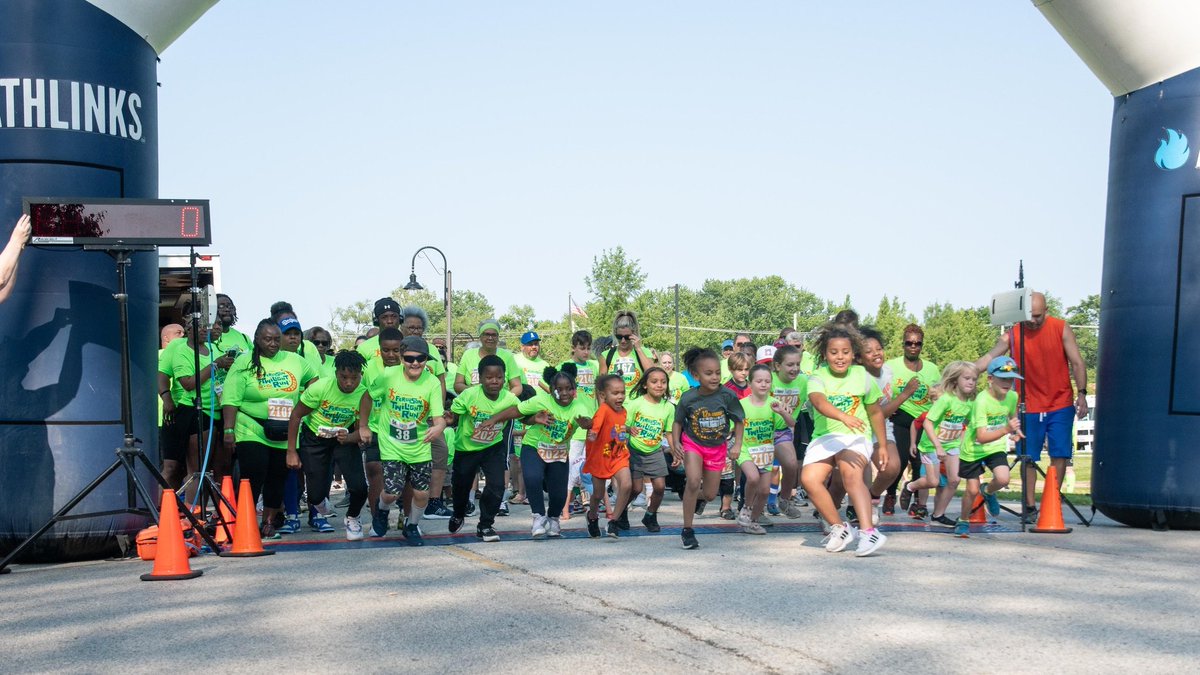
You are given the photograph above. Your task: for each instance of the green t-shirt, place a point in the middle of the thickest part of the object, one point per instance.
(552, 440)
(726, 374)
(313, 356)
(758, 435)
(793, 395)
(991, 415)
(184, 365)
(369, 350)
(473, 406)
(271, 396)
(676, 385)
(921, 400)
(649, 423)
(166, 366)
(374, 370)
(949, 416)
(332, 408)
(406, 408)
(629, 367)
(851, 394)
(232, 338)
(468, 367)
(532, 369)
(585, 385)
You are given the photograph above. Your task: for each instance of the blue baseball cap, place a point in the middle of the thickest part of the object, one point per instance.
(288, 323)
(530, 336)
(728, 344)
(1003, 366)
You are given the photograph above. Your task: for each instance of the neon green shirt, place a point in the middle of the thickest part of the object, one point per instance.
(676, 385)
(851, 394)
(271, 396)
(758, 436)
(184, 365)
(628, 366)
(585, 385)
(793, 395)
(532, 369)
(406, 408)
(468, 367)
(648, 423)
(332, 409)
(166, 366)
(990, 415)
(949, 416)
(232, 338)
(920, 401)
(551, 441)
(472, 407)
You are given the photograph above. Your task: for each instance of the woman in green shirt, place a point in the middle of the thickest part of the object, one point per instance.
(627, 358)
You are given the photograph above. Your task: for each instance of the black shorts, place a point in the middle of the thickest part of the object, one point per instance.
(371, 452)
(975, 469)
(173, 437)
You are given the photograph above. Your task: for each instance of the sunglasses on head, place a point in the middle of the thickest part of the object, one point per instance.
(419, 358)
(913, 343)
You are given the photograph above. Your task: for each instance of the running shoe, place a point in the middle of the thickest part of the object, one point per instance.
(962, 529)
(922, 513)
(354, 531)
(412, 532)
(744, 517)
(765, 521)
(773, 509)
(487, 534)
(650, 520)
(470, 509)
(942, 520)
(801, 496)
(1031, 515)
(291, 525)
(992, 501)
(728, 514)
(593, 528)
(577, 507)
(614, 530)
(324, 508)
(538, 528)
(851, 513)
(790, 508)
(455, 524)
(689, 538)
(700, 504)
(622, 520)
(889, 505)
(639, 502)
(379, 523)
(553, 528)
(320, 524)
(436, 510)
(503, 511)
(906, 496)
(869, 541)
(753, 528)
(840, 536)
(267, 531)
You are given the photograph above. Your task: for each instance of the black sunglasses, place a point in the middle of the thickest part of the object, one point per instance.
(623, 338)
(419, 358)
(911, 343)
(322, 343)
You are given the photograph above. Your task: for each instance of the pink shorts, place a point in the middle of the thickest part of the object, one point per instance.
(714, 458)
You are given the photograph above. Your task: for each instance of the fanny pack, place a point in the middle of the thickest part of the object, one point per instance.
(274, 430)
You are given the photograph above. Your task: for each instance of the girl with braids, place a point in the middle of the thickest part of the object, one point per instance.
(627, 357)
(845, 401)
(649, 419)
(328, 411)
(704, 419)
(260, 392)
(551, 419)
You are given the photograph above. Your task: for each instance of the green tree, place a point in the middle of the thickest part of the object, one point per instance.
(957, 334)
(890, 319)
(470, 308)
(614, 282)
(518, 317)
(1085, 319)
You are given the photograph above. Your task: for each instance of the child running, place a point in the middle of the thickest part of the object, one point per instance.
(650, 415)
(608, 453)
(993, 418)
(765, 417)
(739, 374)
(791, 390)
(944, 427)
(845, 400)
(586, 368)
(703, 420)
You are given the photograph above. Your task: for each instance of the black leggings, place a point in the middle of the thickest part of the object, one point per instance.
(266, 467)
(540, 475)
(317, 456)
(902, 423)
(493, 460)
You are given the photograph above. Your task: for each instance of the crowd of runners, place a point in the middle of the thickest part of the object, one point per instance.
(762, 430)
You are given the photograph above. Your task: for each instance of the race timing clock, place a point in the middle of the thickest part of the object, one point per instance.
(116, 222)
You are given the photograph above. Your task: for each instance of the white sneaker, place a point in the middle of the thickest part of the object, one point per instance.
(354, 531)
(538, 530)
(554, 528)
(870, 542)
(639, 502)
(323, 508)
(801, 497)
(743, 517)
(753, 528)
(840, 536)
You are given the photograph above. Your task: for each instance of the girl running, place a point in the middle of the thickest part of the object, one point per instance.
(791, 390)
(703, 421)
(765, 417)
(608, 454)
(944, 427)
(845, 400)
(649, 421)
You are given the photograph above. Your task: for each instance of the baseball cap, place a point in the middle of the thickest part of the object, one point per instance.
(530, 336)
(728, 344)
(1003, 366)
(384, 305)
(766, 354)
(288, 323)
(412, 343)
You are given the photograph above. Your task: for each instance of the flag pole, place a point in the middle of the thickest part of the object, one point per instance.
(571, 311)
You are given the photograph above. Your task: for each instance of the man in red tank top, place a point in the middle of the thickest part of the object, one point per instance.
(1052, 360)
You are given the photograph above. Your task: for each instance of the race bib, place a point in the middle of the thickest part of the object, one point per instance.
(789, 401)
(485, 435)
(763, 456)
(475, 376)
(328, 432)
(534, 379)
(403, 432)
(949, 431)
(279, 409)
(553, 453)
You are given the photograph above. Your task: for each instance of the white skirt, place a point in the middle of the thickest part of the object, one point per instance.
(830, 445)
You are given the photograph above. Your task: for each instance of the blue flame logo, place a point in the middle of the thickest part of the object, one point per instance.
(1173, 151)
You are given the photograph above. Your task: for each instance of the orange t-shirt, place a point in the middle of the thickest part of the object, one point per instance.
(1047, 373)
(608, 451)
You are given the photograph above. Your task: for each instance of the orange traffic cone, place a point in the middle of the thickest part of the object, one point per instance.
(227, 514)
(979, 511)
(247, 542)
(171, 558)
(1050, 516)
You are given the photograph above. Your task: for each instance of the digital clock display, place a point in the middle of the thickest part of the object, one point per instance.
(157, 222)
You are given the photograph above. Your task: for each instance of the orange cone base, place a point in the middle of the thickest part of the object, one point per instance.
(1047, 530)
(171, 577)
(252, 554)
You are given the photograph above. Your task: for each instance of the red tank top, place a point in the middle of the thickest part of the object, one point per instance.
(1047, 374)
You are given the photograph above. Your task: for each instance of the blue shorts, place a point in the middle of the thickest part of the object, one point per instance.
(1055, 429)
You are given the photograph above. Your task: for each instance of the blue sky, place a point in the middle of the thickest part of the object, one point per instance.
(909, 149)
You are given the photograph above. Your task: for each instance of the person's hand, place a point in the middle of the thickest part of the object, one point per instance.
(168, 409)
(542, 417)
(430, 434)
(636, 340)
(1081, 405)
(583, 422)
(230, 441)
(853, 423)
(912, 386)
(912, 450)
(364, 436)
(21, 230)
(676, 456)
(881, 456)
(224, 362)
(342, 433)
(778, 407)
(1014, 425)
(293, 459)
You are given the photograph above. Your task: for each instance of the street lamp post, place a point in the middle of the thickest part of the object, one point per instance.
(413, 285)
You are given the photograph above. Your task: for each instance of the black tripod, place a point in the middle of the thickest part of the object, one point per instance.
(129, 453)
